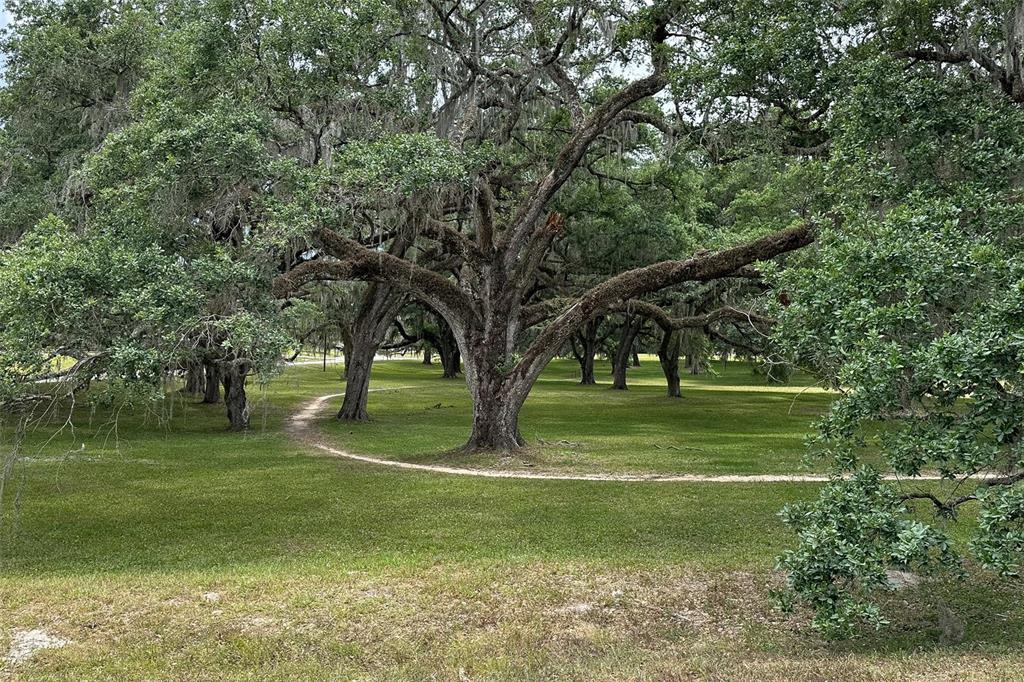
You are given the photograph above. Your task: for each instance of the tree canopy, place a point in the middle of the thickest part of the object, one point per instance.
(201, 186)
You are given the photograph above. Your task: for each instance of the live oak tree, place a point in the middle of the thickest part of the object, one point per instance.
(69, 69)
(911, 306)
(420, 326)
(625, 213)
(154, 275)
(920, 298)
(530, 88)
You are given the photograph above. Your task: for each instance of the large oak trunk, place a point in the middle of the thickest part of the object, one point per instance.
(497, 385)
(234, 378)
(496, 407)
(361, 352)
(427, 360)
(668, 356)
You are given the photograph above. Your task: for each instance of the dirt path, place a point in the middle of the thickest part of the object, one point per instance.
(301, 426)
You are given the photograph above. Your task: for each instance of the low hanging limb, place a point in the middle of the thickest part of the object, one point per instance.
(305, 336)
(352, 261)
(410, 339)
(948, 507)
(740, 345)
(69, 371)
(667, 322)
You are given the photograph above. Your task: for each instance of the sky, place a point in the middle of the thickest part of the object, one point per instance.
(3, 22)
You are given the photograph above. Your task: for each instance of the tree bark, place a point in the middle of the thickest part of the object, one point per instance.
(211, 392)
(496, 407)
(194, 379)
(377, 311)
(448, 350)
(668, 356)
(427, 354)
(620, 362)
(588, 349)
(636, 358)
(234, 378)
(497, 400)
(361, 351)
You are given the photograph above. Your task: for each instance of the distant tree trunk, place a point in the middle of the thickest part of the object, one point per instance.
(668, 356)
(211, 392)
(448, 349)
(620, 362)
(636, 359)
(451, 362)
(587, 351)
(377, 311)
(427, 354)
(194, 379)
(695, 364)
(234, 378)
(587, 377)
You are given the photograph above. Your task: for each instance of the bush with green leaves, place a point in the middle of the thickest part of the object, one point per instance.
(912, 308)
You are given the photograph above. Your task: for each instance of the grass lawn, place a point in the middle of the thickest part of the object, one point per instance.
(170, 549)
(726, 422)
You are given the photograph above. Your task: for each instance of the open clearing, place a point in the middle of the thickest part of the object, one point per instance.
(180, 551)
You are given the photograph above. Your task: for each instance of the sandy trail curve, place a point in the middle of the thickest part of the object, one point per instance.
(301, 426)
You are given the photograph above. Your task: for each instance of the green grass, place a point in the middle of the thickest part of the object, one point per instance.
(594, 429)
(329, 569)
